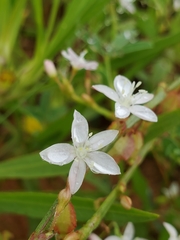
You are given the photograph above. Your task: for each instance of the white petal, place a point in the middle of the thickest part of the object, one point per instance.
(171, 230)
(59, 154)
(93, 236)
(90, 65)
(102, 139)
(112, 238)
(107, 91)
(141, 98)
(79, 129)
(65, 54)
(143, 113)
(76, 175)
(100, 162)
(122, 85)
(72, 54)
(129, 232)
(121, 112)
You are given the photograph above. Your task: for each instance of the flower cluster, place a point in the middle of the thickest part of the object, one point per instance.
(85, 149)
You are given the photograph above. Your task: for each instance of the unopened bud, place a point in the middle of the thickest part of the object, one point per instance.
(50, 68)
(64, 196)
(126, 202)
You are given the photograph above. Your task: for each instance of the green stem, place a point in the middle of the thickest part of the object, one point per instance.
(98, 216)
(114, 20)
(92, 224)
(45, 223)
(108, 70)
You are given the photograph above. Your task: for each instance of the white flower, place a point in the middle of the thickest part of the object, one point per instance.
(176, 5)
(128, 234)
(172, 191)
(50, 68)
(126, 101)
(172, 231)
(78, 62)
(84, 151)
(127, 5)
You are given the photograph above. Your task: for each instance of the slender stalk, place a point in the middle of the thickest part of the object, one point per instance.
(45, 223)
(66, 88)
(108, 70)
(105, 206)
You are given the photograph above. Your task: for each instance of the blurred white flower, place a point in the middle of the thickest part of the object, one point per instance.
(128, 234)
(176, 5)
(173, 234)
(125, 101)
(172, 191)
(78, 62)
(84, 151)
(50, 68)
(128, 5)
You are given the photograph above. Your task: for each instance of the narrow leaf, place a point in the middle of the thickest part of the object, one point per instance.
(166, 122)
(37, 204)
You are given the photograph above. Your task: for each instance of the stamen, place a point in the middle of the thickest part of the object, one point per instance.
(138, 84)
(90, 134)
(142, 91)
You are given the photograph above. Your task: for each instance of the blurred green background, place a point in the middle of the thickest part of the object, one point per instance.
(140, 41)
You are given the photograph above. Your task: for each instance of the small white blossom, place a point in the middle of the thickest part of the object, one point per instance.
(50, 68)
(128, 234)
(125, 101)
(128, 5)
(176, 5)
(84, 152)
(78, 62)
(173, 234)
(172, 191)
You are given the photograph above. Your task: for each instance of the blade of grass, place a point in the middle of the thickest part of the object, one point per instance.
(38, 16)
(37, 204)
(10, 33)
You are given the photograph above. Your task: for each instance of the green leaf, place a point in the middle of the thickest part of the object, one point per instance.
(144, 54)
(166, 122)
(30, 166)
(11, 30)
(36, 205)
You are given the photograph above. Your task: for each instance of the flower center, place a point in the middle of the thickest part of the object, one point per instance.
(81, 152)
(126, 98)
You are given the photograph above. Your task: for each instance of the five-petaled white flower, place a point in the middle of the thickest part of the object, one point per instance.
(84, 151)
(78, 62)
(173, 234)
(128, 234)
(126, 101)
(128, 5)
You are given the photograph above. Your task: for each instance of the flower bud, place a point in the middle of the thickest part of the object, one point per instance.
(126, 202)
(50, 68)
